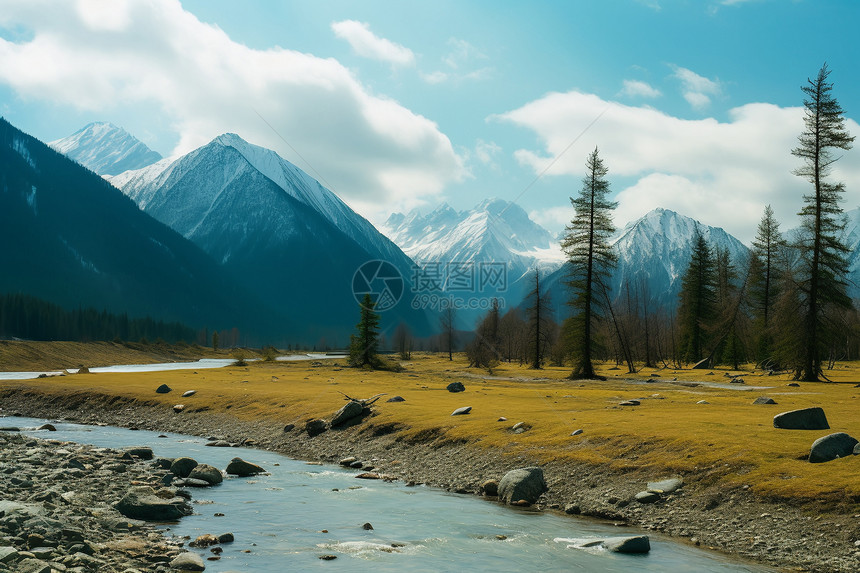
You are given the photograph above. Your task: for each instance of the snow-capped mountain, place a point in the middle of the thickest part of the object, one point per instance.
(283, 233)
(653, 254)
(494, 231)
(106, 149)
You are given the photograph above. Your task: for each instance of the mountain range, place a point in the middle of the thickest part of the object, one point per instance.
(75, 240)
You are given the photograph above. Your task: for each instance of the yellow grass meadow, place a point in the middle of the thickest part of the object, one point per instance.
(729, 440)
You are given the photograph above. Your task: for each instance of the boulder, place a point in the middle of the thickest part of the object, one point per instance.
(47, 427)
(456, 387)
(637, 544)
(833, 446)
(351, 410)
(143, 503)
(188, 562)
(142, 452)
(461, 411)
(522, 484)
(804, 419)
(207, 473)
(241, 468)
(315, 427)
(764, 400)
(396, 399)
(163, 389)
(666, 485)
(181, 467)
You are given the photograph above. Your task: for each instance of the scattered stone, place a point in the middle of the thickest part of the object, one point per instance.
(351, 410)
(368, 475)
(831, 447)
(572, 509)
(456, 387)
(289, 428)
(519, 427)
(576, 432)
(205, 540)
(142, 452)
(367, 527)
(793, 384)
(522, 484)
(188, 562)
(502, 419)
(803, 419)
(461, 411)
(737, 380)
(47, 427)
(143, 503)
(647, 497)
(764, 400)
(207, 473)
(665, 486)
(637, 544)
(396, 399)
(178, 407)
(629, 403)
(189, 393)
(315, 427)
(181, 467)
(226, 538)
(702, 402)
(490, 487)
(328, 557)
(241, 468)
(163, 389)
(346, 462)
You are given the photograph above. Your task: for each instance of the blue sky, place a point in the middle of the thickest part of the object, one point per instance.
(403, 104)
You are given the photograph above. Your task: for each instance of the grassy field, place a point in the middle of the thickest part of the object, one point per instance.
(729, 440)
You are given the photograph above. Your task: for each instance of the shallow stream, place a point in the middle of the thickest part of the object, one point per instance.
(278, 520)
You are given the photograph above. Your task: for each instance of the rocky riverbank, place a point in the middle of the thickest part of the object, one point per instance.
(57, 514)
(702, 511)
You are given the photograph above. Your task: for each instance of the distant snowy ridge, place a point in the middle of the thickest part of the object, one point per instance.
(106, 149)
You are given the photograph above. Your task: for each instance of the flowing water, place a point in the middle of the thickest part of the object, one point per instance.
(278, 520)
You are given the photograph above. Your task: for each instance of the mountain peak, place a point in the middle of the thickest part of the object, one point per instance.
(106, 149)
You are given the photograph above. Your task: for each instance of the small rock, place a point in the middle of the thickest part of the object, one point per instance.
(345, 462)
(737, 381)
(181, 467)
(637, 544)
(47, 427)
(502, 419)
(461, 411)
(241, 468)
(142, 452)
(204, 540)
(207, 473)
(189, 393)
(793, 384)
(764, 400)
(629, 403)
(188, 562)
(367, 527)
(647, 497)
(456, 387)
(315, 427)
(702, 402)
(665, 486)
(576, 432)
(572, 509)
(289, 427)
(163, 389)
(368, 475)
(178, 407)
(328, 557)
(226, 538)
(490, 487)
(396, 399)
(522, 484)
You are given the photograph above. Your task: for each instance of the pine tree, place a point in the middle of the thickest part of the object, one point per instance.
(590, 259)
(484, 350)
(824, 255)
(363, 345)
(766, 268)
(449, 332)
(698, 299)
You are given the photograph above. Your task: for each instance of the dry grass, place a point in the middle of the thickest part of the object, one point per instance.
(729, 440)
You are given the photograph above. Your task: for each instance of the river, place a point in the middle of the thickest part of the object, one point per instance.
(286, 520)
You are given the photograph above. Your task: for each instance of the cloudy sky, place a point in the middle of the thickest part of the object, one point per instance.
(694, 104)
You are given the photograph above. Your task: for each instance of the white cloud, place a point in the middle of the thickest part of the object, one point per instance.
(636, 88)
(462, 62)
(697, 90)
(154, 54)
(368, 45)
(434, 77)
(553, 217)
(485, 151)
(722, 173)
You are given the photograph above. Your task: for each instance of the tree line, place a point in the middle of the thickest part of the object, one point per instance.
(787, 308)
(27, 317)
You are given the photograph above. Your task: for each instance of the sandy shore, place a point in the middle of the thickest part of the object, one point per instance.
(728, 520)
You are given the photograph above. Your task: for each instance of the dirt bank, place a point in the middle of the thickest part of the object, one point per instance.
(703, 512)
